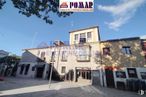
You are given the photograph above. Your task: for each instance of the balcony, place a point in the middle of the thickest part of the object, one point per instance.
(83, 58)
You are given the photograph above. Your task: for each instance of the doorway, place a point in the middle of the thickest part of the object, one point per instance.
(83, 75)
(109, 78)
(40, 71)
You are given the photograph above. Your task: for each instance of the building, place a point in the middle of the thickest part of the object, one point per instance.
(3, 53)
(119, 58)
(85, 54)
(143, 42)
(2, 65)
(126, 52)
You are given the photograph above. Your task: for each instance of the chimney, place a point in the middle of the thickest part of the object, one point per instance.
(58, 43)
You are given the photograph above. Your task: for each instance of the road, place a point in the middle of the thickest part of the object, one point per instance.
(22, 87)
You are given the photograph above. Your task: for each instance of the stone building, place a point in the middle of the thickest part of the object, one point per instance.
(85, 53)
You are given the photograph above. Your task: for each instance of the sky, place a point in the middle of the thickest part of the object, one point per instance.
(115, 18)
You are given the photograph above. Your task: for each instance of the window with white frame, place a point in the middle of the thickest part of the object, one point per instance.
(89, 35)
(43, 55)
(64, 56)
(76, 37)
(83, 54)
(53, 56)
(82, 38)
(82, 35)
(63, 69)
(126, 50)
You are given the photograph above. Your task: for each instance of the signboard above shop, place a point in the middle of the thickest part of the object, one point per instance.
(76, 5)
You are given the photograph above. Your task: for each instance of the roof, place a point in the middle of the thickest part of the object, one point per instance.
(38, 48)
(113, 40)
(121, 39)
(53, 46)
(84, 29)
(2, 51)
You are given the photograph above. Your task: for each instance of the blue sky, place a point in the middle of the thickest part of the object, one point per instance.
(114, 18)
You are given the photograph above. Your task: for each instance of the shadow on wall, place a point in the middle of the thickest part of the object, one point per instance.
(119, 56)
(39, 68)
(68, 76)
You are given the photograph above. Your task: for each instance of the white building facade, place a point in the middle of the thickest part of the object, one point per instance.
(70, 62)
(85, 57)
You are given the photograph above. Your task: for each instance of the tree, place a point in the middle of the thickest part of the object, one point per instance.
(9, 60)
(40, 8)
(11, 63)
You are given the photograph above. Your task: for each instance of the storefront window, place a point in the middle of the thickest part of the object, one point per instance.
(120, 74)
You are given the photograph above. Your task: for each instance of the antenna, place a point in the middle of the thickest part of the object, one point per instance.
(33, 39)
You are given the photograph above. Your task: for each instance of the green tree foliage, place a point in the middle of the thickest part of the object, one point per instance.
(2, 2)
(12, 63)
(40, 8)
(9, 60)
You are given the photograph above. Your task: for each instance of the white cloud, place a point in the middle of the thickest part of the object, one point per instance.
(143, 37)
(121, 12)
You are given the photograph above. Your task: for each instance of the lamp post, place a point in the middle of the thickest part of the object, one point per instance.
(52, 65)
(50, 78)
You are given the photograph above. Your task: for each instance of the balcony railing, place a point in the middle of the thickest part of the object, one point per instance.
(83, 58)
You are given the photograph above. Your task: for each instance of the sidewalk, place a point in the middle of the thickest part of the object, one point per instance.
(18, 87)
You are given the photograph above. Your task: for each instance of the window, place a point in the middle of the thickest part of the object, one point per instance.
(76, 37)
(33, 68)
(83, 54)
(43, 55)
(53, 57)
(82, 35)
(64, 56)
(83, 58)
(63, 70)
(22, 68)
(106, 51)
(27, 69)
(132, 72)
(82, 38)
(144, 46)
(143, 75)
(126, 50)
(89, 35)
(120, 74)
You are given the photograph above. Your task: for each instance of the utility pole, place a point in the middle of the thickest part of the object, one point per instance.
(52, 65)
(50, 78)
(59, 49)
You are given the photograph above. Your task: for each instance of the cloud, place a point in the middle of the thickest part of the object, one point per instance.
(121, 12)
(143, 37)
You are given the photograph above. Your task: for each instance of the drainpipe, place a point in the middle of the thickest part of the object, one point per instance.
(58, 57)
(101, 63)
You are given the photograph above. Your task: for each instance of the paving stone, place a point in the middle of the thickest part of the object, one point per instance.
(40, 88)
